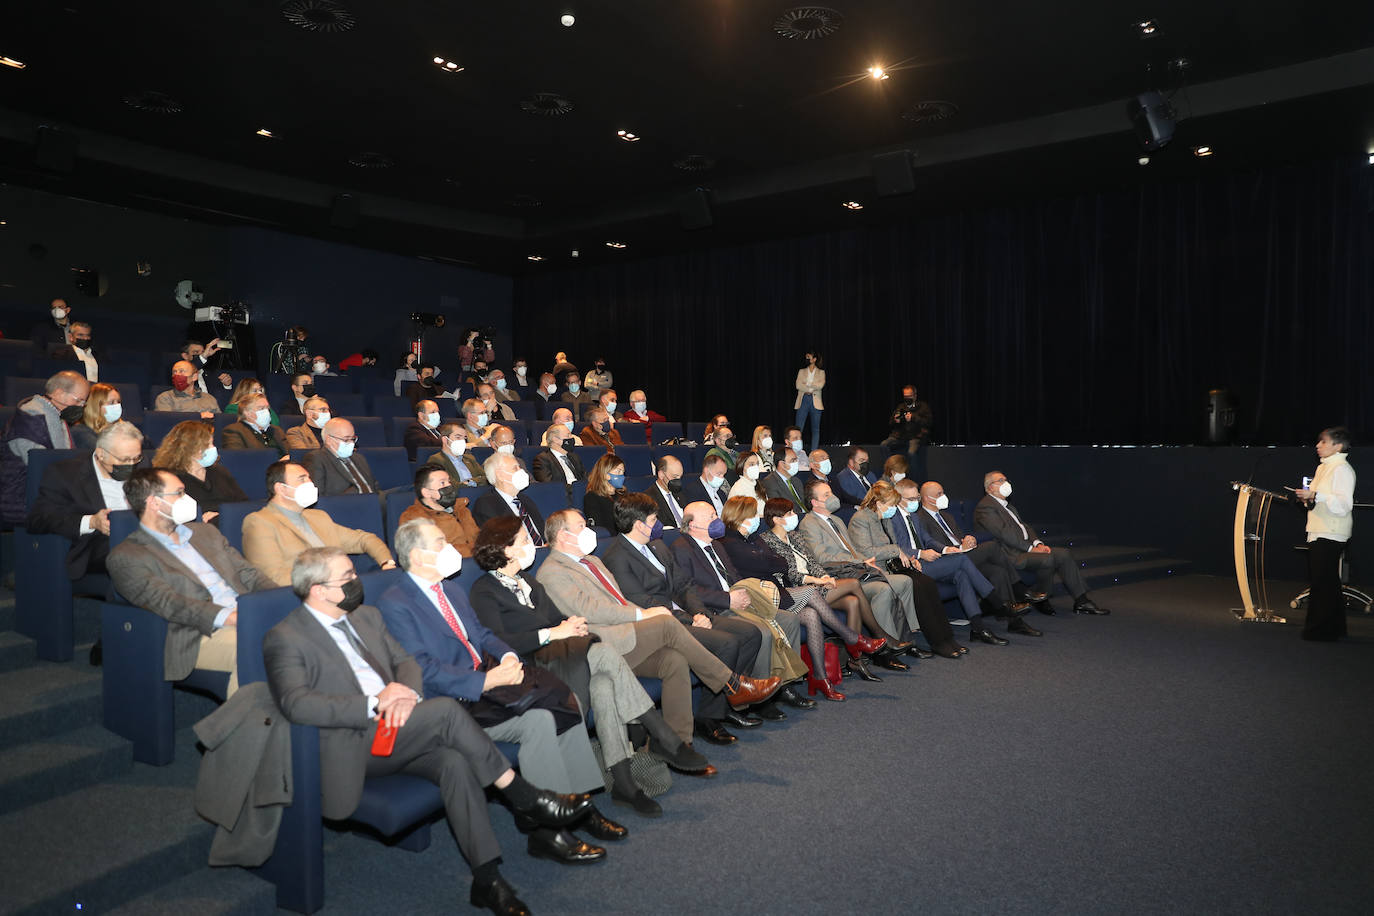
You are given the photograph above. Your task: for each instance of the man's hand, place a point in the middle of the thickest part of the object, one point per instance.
(701, 620)
(389, 564)
(872, 561)
(395, 703)
(232, 620)
(207, 414)
(929, 555)
(226, 380)
(572, 626)
(969, 542)
(100, 521)
(210, 348)
(655, 612)
(510, 671)
(206, 516)
(739, 599)
(1040, 548)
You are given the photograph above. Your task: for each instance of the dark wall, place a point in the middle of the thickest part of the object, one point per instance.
(1099, 318)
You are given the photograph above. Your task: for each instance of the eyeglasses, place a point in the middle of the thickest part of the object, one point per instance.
(346, 579)
(171, 496)
(343, 438)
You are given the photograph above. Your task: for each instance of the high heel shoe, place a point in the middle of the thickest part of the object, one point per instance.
(816, 685)
(860, 668)
(864, 646)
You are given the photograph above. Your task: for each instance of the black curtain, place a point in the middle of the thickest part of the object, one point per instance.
(1103, 318)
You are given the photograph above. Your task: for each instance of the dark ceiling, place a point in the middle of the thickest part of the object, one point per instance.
(786, 126)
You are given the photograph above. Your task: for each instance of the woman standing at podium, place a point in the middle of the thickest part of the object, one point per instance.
(1331, 500)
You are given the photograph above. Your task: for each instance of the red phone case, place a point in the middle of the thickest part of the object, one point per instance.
(385, 739)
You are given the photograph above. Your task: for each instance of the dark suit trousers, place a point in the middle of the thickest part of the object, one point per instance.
(991, 560)
(930, 611)
(1060, 560)
(660, 642)
(442, 743)
(737, 643)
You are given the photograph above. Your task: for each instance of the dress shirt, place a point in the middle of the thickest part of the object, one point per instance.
(707, 548)
(111, 493)
(221, 592)
(567, 468)
(368, 680)
(672, 505)
(428, 589)
(713, 495)
(88, 358)
(1014, 517)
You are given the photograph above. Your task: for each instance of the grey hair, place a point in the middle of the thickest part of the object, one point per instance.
(312, 568)
(408, 537)
(66, 380)
(987, 478)
(557, 523)
(119, 429)
(494, 463)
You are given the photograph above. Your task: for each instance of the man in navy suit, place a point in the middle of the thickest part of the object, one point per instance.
(462, 659)
(508, 478)
(711, 487)
(853, 482)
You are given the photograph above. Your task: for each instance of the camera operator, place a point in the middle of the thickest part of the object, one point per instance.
(476, 347)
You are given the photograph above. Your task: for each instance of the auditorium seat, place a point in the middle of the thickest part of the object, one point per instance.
(249, 466)
(19, 387)
(390, 466)
(158, 423)
(683, 453)
(695, 431)
(665, 429)
(397, 502)
(329, 385)
(345, 405)
(548, 497)
(396, 429)
(389, 406)
(231, 516)
(639, 459)
(521, 431)
(524, 411)
(16, 354)
(589, 454)
(371, 431)
(130, 400)
(360, 511)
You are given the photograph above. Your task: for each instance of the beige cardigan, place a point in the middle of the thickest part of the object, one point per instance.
(813, 390)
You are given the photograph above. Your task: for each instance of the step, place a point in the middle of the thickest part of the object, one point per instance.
(48, 698)
(16, 650)
(206, 892)
(1112, 574)
(40, 770)
(6, 610)
(1104, 554)
(1074, 539)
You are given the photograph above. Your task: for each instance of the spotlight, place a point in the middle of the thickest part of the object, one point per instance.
(448, 66)
(852, 205)
(534, 257)
(627, 136)
(11, 62)
(1202, 152)
(615, 244)
(264, 132)
(438, 60)
(575, 253)
(878, 73)
(568, 20)
(1143, 160)
(1147, 27)
(1371, 158)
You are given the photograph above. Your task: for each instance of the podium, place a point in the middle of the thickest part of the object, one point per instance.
(1252, 523)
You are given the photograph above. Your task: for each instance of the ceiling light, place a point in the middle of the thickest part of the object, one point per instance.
(852, 205)
(534, 257)
(1371, 158)
(264, 132)
(1144, 160)
(1202, 151)
(438, 60)
(568, 20)
(448, 66)
(878, 73)
(11, 62)
(627, 136)
(615, 244)
(1147, 27)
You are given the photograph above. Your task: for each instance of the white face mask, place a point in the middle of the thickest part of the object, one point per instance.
(766, 442)
(641, 407)
(525, 555)
(611, 406)
(586, 541)
(551, 389)
(898, 476)
(183, 510)
(752, 472)
(1005, 489)
(59, 314)
(431, 420)
(507, 449)
(322, 418)
(520, 371)
(447, 561)
(456, 447)
(320, 367)
(306, 494)
(942, 502)
(519, 480)
(825, 466)
(263, 418)
(112, 412)
(715, 482)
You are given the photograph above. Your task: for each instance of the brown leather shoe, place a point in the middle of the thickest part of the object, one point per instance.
(752, 690)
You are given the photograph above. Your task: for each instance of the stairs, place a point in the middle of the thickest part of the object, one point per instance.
(1106, 565)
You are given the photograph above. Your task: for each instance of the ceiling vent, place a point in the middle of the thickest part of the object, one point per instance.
(318, 15)
(547, 103)
(808, 22)
(153, 101)
(929, 112)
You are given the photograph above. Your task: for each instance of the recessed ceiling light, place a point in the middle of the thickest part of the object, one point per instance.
(534, 257)
(5, 223)
(615, 244)
(1147, 27)
(852, 205)
(1202, 151)
(264, 132)
(878, 73)
(568, 20)
(1371, 158)
(1144, 160)
(11, 62)
(627, 136)
(448, 66)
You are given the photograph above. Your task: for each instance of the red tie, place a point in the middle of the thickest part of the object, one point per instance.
(447, 610)
(603, 580)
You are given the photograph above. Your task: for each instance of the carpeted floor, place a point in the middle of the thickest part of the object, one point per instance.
(1165, 758)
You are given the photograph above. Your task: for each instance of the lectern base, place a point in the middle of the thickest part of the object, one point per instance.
(1261, 615)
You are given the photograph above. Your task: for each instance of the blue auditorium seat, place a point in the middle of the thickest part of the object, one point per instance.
(231, 516)
(390, 467)
(639, 459)
(397, 502)
(359, 510)
(249, 467)
(158, 423)
(548, 497)
(371, 431)
(19, 387)
(687, 455)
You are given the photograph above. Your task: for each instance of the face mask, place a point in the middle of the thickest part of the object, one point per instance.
(112, 412)
(766, 442)
(550, 389)
(656, 532)
(448, 496)
(912, 505)
(611, 406)
(889, 512)
(507, 449)
(122, 472)
(447, 561)
(427, 381)
(796, 445)
(750, 526)
(600, 367)
(566, 444)
(525, 555)
(520, 479)
(716, 529)
(832, 503)
(586, 541)
(306, 494)
(616, 480)
(208, 457)
(825, 466)
(352, 595)
(898, 476)
(1005, 489)
(431, 420)
(862, 468)
(942, 502)
(482, 420)
(641, 407)
(604, 426)
(752, 472)
(479, 371)
(320, 367)
(520, 371)
(456, 447)
(787, 470)
(263, 418)
(345, 450)
(181, 382)
(732, 443)
(183, 510)
(715, 482)
(500, 384)
(81, 343)
(568, 424)
(321, 418)
(59, 314)
(307, 391)
(574, 387)
(675, 487)
(789, 523)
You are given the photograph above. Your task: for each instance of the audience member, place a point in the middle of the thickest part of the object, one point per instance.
(319, 365)
(520, 383)
(605, 483)
(405, 373)
(853, 482)
(200, 355)
(274, 536)
(188, 450)
(183, 397)
(492, 405)
(640, 413)
(562, 417)
(599, 380)
(573, 393)
(479, 427)
(502, 389)
(103, 407)
(38, 421)
(437, 501)
(54, 331)
(666, 491)
(254, 427)
(426, 385)
(820, 465)
(335, 467)
(762, 446)
(185, 572)
(367, 357)
(555, 462)
(454, 457)
(750, 469)
(792, 439)
(809, 406)
(547, 388)
(600, 429)
(507, 478)
(306, 436)
(424, 432)
(503, 440)
(725, 446)
(562, 368)
(712, 425)
(895, 469)
(302, 387)
(79, 350)
(707, 487)
(783, 483)
(607, 400)
(245, 388)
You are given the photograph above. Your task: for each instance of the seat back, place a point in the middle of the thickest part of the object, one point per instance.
(548, 497)
(390, 466)
(346, 405)
(39, 459)
(231, 516)
(19, 387)
(688, 457)
(639, 459)
(397, 502)
(258, 613)
(249, 467)
(524, 411)
(158, 423)
(396, 430)
(371, 432)
(362, 511)
(130, 400)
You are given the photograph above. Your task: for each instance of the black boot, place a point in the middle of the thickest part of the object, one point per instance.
(626, 793)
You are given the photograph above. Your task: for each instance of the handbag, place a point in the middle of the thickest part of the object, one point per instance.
(540, 689)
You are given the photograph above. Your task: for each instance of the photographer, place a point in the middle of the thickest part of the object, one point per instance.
(476, 346)
(910, 422)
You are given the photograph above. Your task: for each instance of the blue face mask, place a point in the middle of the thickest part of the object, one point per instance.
(611, 406)
(568, 424)
(656, 533)
(750, 526)
(617, 480)
(912, 505)
(889, 512)
(500, 384)
(112, 412)
(345, 450)
(716, 529)
(208, 457)
(574, 387)
(789, 523)
(262, 419)
(825, 466)
(715, 482)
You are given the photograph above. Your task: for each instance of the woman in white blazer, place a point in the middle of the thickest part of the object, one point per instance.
(810, 381)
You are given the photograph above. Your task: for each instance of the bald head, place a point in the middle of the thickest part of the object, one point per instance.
(336, 432)
(697, 518)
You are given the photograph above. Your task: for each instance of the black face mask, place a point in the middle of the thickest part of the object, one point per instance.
(81, 343)
(604, 426)
(567, 444)
(122, 472)
(863, 468)
(427, 381)
(600, 367)
(73, 415)
(352, 595)
(307, 391)
(732, 443)
(675, 487)
(448, 496)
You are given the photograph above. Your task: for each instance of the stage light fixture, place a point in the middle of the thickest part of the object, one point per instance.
(627, 136)
(264, 132)
(1147, 27)
(852, 205)
(1202, 152)
(568, 20)
(448, 66)
(878, 73)
(534, 257)
(615, 244)
(11, 62)
(1143, 160)
(1371, 158)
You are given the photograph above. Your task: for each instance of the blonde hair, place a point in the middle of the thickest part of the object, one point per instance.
(94, 414)
(598, 478)
(183, 444)
(880, 494)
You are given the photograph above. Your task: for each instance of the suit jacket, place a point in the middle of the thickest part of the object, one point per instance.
(69, 490)
(872, 536)
(332, 478)
(850, 491)
(820, 539)
(442, 459)
(931, 528)
(924, 541)
(289, 408)
(993, 518)
(665, 512)
(272, 543)
(645, 586)
(492, 505)
(693, 490)
(421, 630)
(577, 594)
(778, 488)
(692, 559)
(415, 392)
(593, 436)
(240, 435)
(513, 623)
(302, 438)
(458, 526)
(419, 436)
(313, 684)
(149, 576)
(547, 466)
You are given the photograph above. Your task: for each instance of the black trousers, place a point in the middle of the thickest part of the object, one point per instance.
(1326, 602)
(930, 611)
(1059, 561)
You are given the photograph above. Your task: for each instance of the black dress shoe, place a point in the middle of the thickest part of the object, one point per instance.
(918, 652)
(1086, 606)
(1015, 609)
(769, 712)
(790, 696)
(499, 897)
(97, 654)
(988, 637)
(742, 719)
(891, 663)
(563, 847)
(945, 652)
(552, 809)
(713, 732)
(685, 759)
(860, 668)
(1019, 625)
(846, 671)
(639, 803)
(1045, 608)
(602, 827)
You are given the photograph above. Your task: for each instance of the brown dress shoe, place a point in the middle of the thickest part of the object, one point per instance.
(752, 690)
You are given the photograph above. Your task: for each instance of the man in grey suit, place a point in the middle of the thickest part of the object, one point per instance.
(186, 572)
(653, 642)
(334, 468)
(783, 483)
(1000, 519)
(827, 538)
(332, 664)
